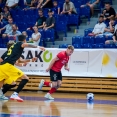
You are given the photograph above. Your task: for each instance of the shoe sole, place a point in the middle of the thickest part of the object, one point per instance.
(48, 98)
(16, 100)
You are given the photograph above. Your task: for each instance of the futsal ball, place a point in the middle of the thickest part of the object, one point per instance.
(90, 96)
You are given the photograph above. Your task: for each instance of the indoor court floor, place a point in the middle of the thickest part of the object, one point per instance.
(64, 105)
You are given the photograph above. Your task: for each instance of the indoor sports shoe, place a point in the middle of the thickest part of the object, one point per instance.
(3, 97)
(16, 97)
(41, 84)
(48, 96)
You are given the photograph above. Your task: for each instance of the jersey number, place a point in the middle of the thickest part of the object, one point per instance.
(10, 50)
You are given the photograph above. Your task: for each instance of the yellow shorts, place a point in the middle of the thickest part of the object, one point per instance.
(9, 73)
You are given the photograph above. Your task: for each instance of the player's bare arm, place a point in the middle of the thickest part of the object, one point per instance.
(24, 45)
(51, 63)
(66, 67)
(20, 64)
(1, 60)
(27, 60)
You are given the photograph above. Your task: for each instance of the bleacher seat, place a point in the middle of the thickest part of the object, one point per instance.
(88, 39)
(63, 46)
(87, 46)
(99, 39)
(110, 46)
(98, 46)
(87, 31)
(77, 46)
(77, 40)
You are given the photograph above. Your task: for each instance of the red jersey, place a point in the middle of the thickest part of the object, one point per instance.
(63, 59)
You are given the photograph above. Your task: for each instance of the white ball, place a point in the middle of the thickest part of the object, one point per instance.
(90, 96)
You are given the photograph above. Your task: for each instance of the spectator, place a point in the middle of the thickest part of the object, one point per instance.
(110, 29)
(14, 33)
(25, 34)
(45, 4)
(36, 36)
(30, 4)
(40, 21)
(6, 14)
(56, 8)
(12, 3)
(8, 28)
(50, 21)
(99, 27)
(92, 4)
(108, 12)
(68, 8)
(114, 41)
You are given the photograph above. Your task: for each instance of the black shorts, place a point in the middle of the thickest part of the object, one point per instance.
(55, 76)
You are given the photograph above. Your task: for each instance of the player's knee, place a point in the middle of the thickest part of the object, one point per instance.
(54, 84)
(59, 85)
(25, 77)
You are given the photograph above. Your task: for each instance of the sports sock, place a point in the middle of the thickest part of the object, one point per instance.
(47, 83)
(7, 87)
(21, 85)
(52, 90)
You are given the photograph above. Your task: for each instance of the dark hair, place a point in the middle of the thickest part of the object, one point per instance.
(21, 37)
(101, 16)
(55, 1)
(107, 3)
(7, 7)
(9, 44)
(40, 10)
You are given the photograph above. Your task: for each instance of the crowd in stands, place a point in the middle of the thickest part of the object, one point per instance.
(41, 20)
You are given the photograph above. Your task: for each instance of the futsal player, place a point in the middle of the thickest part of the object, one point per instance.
(20, 62)
(9, 73)
(55, 67)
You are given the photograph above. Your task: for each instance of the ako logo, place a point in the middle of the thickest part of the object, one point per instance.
(45, 56)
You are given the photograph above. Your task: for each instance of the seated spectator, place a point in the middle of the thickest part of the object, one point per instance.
(36, 36)
(92, 4)
(30, 4)
(8, 28)
(56, 8)
(14, 33)
(12, 3)
(25, 34)
(114, 41)
(6, 14)
(108, 12)
(99, 27)
(45, 4)
(69, 8)
(40, 21)
(109, 30)
(50, 21)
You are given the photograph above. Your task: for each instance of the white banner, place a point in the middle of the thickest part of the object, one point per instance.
(83, 62)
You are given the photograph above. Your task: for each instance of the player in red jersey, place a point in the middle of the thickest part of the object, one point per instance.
(55, 67)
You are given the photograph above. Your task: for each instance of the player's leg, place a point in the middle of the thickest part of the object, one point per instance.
(21, 85)
(54, 79)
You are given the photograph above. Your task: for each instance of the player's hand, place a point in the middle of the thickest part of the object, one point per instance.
(34, 59)
(42, 48)
(47, 70)
(66, 68)
(24, 64)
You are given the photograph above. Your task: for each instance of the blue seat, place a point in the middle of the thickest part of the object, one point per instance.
(85, 11)
(61, 27)
(110, 46)
(87, 31)
(87, 46)
(22, 26)
(99, 39)
(63, 46)
(77, 40)
(108, 37)
(77, 46)
(62, 18)
(49, 35)
(29, 33)
(77, 3)
(98, 45)
(73, 19)
(88, 39)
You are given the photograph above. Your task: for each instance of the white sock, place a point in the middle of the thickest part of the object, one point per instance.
(15, 93)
